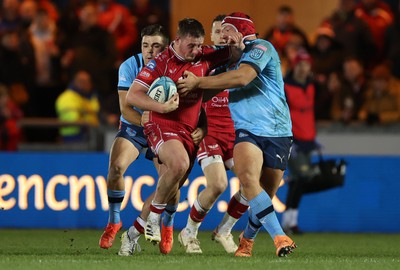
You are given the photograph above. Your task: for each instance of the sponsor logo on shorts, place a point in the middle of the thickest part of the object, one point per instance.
(214, 146)
(280, 158)
(170, 134)
(131, 132)
(242, 135)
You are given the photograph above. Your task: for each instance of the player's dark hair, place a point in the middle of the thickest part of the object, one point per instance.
(190, 27)
(285, 9)
(219, 18)
(155, 30)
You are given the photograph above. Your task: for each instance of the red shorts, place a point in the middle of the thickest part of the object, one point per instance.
(157, 135)
(217, 144)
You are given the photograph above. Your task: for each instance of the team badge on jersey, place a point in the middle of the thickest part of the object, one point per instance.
(256, 53)
(151, 64)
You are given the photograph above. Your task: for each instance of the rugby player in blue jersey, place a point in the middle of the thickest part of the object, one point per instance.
(130, 140)
(263, 128)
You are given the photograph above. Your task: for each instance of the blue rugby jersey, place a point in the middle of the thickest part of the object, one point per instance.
(260, 107)
(127, 73)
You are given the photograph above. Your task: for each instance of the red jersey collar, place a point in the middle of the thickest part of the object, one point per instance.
(171, 47)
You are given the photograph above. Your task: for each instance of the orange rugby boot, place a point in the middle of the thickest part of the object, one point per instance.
(284, 245)
(167, 239)
(245, 247)
(108, 236)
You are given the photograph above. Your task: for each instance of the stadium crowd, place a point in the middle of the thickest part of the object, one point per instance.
(355, 56)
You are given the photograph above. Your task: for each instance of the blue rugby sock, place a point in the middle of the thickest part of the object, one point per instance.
(263, 211)
(169, 214)
(252, 228)
(115, 198)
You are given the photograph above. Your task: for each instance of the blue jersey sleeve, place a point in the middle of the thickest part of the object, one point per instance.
(258, 55)
(260, 107)
(128, 71)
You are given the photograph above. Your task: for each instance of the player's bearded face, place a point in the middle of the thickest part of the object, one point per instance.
(189, 47)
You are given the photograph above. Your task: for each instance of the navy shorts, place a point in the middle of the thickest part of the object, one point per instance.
(135, 135)
(276, 150)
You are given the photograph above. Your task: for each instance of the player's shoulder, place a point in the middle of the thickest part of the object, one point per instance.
(260, 44)
(159, 62)
(258, 47)
(133, 62)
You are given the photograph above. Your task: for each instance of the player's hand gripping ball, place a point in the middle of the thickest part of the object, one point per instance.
(162, 89)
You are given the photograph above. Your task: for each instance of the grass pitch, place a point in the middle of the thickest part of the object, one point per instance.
(78, 249)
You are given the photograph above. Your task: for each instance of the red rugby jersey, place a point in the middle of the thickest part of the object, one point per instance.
(218, 114)
(301, 105)
(169, 63)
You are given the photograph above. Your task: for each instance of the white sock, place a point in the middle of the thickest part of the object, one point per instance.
(286, 218)
(154, 218)
(192, 228)
(226, 225)
(133, 233)
(294, 218)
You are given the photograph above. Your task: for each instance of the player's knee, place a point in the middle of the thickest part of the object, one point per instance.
(179, 166)
(247, 179)
(220, 187)
(115, 172)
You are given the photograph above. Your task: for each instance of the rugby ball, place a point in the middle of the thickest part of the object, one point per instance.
(162, 89)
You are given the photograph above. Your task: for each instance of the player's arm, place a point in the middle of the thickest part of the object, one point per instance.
(137, 97)
(131, 115)
(230, 79)
(201, 131)
(207, 95)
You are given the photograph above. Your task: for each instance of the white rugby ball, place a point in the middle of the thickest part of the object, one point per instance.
(162, 89)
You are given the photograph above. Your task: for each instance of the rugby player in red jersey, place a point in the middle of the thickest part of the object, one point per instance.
(215, 155)
(170, 124)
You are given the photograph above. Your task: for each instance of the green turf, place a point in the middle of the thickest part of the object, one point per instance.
(78, 249)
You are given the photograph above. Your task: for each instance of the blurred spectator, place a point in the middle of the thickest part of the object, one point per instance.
(93, 49)
(68, 23)
(392, 44)
(284, 28)
(117, 20)
(294, 43)
(327, 54)
(300, 91)
(351, 32)
(27, 13)
(381, 103)
(147, 12)
(78, 104)
(10, 134)
(42, 36)
(328, 57)
(354, 74)
(9, 15)
(50, 7)
(16, 70)
(379, 17)
(342, 105)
